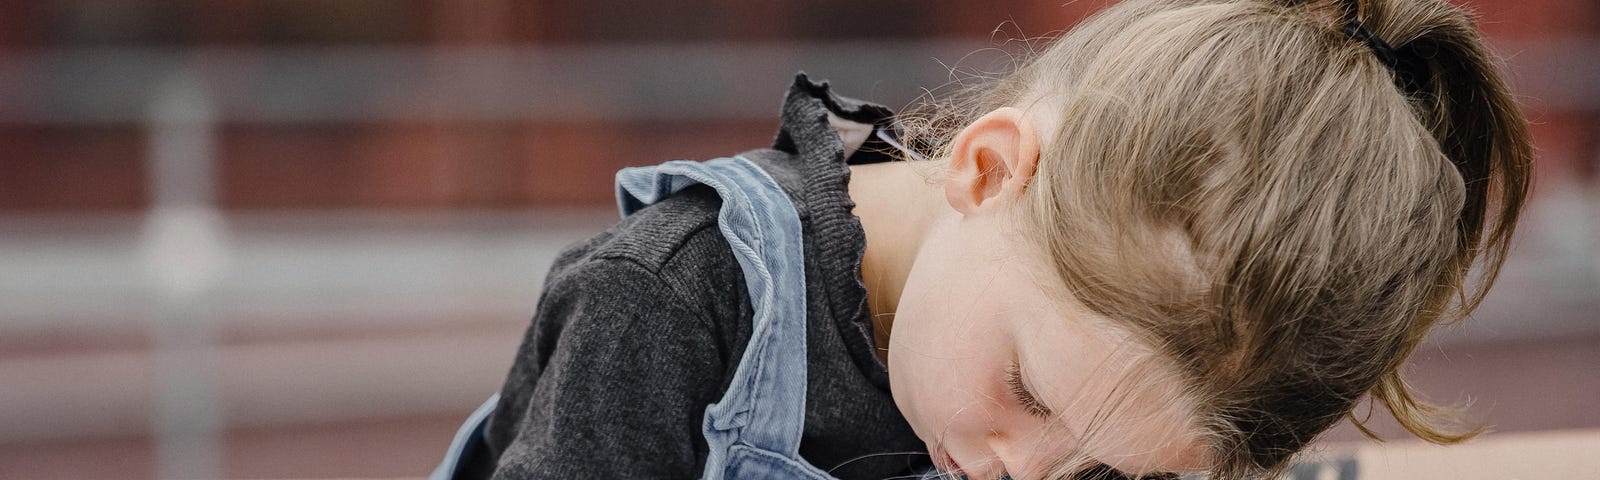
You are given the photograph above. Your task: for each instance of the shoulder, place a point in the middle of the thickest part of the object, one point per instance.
(670, 254)
(618, 363)
(679, 231)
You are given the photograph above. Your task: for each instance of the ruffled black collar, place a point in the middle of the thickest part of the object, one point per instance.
(806, 133)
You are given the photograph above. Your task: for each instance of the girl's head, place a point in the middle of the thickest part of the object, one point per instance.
(1199, 231)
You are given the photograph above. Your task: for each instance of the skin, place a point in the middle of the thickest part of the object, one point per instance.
(959, 296)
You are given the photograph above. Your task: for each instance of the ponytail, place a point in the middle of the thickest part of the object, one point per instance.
(1479, 129)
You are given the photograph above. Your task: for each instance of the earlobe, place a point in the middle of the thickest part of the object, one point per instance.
(991, 161)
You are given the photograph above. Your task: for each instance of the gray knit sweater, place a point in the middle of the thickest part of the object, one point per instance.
(641, 327)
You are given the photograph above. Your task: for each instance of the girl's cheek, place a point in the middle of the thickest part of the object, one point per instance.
(967, 406)
(993, 405)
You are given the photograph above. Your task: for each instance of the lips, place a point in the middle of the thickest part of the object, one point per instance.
(950, 464)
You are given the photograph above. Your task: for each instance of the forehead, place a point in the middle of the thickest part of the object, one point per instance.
(1115, 393)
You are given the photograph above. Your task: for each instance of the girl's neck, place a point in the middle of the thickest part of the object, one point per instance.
(897, 205)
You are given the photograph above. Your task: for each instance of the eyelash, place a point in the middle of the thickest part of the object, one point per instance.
(1099, 471)
(1020, 391)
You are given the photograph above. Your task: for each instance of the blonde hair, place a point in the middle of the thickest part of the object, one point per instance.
(1247, 188)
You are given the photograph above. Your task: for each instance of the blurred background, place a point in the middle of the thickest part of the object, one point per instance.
(297, 238)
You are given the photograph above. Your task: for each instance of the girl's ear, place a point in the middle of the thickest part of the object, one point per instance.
(991, 161)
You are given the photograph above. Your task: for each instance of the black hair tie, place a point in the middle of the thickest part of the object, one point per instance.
(1380, 48)
(1410, 71)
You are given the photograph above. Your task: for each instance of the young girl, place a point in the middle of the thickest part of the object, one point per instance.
(1188, 237)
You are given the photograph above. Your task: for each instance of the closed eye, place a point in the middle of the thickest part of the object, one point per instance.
(1024, 396)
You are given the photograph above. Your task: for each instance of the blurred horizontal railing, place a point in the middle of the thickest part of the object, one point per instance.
(572, 83)
(85, 274)
(575, 83)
